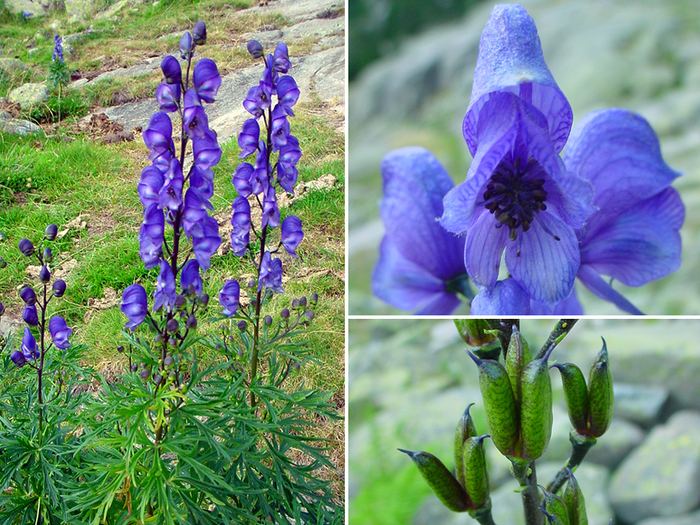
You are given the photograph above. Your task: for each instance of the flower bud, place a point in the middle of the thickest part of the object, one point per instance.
(309, 315)
(51, 232)
(186, 45)
(314, 298)
(242, 325)
(134, 367)
(191, 321)
(48, 255)
(3, 263)
(251, 283)
(145, 373)
(444, 485)
(302, 300)
(44, 274)
(59, 287)
(180, 301)
(27, 294)
(255, 48)
(168, 360)
(26, 247)
(18, 358)
(268, 320)
(158, 379)
(120, 349)
(285, 313)
(199, 33)
(172, 326)
(204, 299)
(30, 316)
(295, 303)
(2, 309)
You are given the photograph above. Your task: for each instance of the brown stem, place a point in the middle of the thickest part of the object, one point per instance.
(526, 475)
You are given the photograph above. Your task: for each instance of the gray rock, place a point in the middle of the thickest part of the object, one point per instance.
(639, 403)
(660, 477)
(137, 70)
(12, 67)
(36, 7)
(28, 95)
(619, 440)
(686, 519)
(17, 126)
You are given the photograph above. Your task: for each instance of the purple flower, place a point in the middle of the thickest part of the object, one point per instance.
(57, 55)
(255, 48)
(26, 247)
(60, 333)
(171, 70)
(164, 296)
(190, 280)
(59, 287)
(30, 316)
(206, 242)
(202, 181)
(29, 348)
(195, 213)
(134, 305)
(240, 220)
(149, 186)
(18, 358)
(186, 45)
(51, 232)
(260, 180)
(258, 99)
(27, 294)
(504, 298)
(158, 135)
(229, 297)
(206, 79)
(287, 93)
(151, 236)
(280, 128)
(289, 156)
(518, 197)
(207, 152)
(168, 96)
(292, 234)
(270, 273)
(199, 33)
(249, 137)
(194, 117)
(420, 264)
(633, 236)
(242, 179)
(271, 212)
(280, 58)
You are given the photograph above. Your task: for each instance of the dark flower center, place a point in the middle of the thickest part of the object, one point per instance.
(515, 194)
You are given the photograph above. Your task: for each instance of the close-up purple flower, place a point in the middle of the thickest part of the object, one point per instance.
(270, 273)
(255, 48)
(421, 266)
(190, 279)
(207, 152)
(280, 58)
(151, 236)
(60, 333)
(29, 348)
(287, 93)
(249, 137)
(280, 128)
(186, 45)
(59, 287)
(292, 234)
(172, 72)
(134, 305)
(229, 297)
(168, 96)
(164, 295)
(257, 100)
(29, 315)
(194, 117)
(271, 211)
(27, 294)
(150, 185)
(51, 232)
(18, 359)
(206, 241)
(26, 247)
(199, 33)
(240, 220)
(207, 79)
(242, 177)
(158, 136)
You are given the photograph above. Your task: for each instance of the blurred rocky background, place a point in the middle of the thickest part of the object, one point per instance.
(639, 54)
(410, 382)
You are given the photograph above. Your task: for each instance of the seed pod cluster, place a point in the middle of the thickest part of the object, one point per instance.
(518, 400)
(590, 406)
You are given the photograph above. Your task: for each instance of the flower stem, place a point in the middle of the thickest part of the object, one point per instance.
(580, 445)
(483, 515)
(40, 368)
(526, 475)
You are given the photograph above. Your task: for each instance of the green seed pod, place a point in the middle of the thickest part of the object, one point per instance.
(535, 408)
(476, 478)
(517, 358)
(499, 403)
(576, 393)
(444, 485)
(600, 394)
(475, 332)
(465, 429)
(575, 502)
(555, 509)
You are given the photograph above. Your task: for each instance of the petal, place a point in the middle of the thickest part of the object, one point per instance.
(619, 153)
(414, 185)
(639, 245)
(599, 287)
(483, 249)
(407, 286)
(569, 306)
(545, 258)
(507, 297)
(511, 59)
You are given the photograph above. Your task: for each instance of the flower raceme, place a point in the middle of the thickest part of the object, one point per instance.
(543, 198)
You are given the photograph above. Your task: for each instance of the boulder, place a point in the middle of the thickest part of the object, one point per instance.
(12, 67)
(640, 403)
(18, 126)
(619, 440)
(685, 519)
(661, 476)
(28, 95)
(35, 7)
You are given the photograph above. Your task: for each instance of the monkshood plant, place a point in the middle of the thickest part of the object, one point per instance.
(517, 397)
(58, 71)
(561, 207)
(40, 394)
(203, 428)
